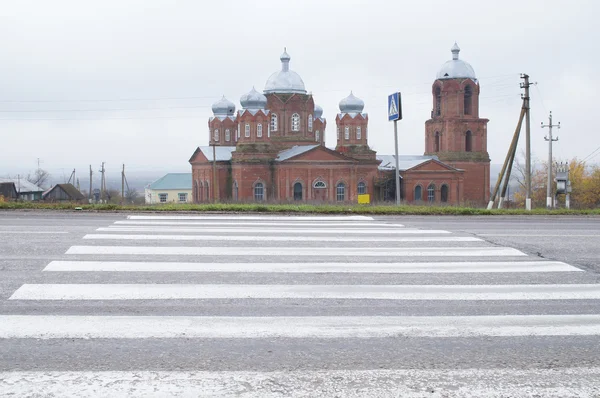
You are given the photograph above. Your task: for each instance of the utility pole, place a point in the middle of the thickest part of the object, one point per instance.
(102, 183)
(90, 192)
(123, 184)
(525, 85)
(214, 173)
(549, 198)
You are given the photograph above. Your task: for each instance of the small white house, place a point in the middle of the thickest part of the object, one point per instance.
(172, 188)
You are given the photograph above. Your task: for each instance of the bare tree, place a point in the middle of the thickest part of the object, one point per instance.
(39, 177)
(131, 195)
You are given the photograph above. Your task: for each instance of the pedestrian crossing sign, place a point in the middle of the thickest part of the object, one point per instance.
(394, 107)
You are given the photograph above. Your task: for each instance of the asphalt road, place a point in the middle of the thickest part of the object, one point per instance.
(112, 305)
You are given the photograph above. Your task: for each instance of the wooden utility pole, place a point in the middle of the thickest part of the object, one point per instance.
(549, 198)
(510, 156)
(90, 195)
(525, 85)
(123, 185)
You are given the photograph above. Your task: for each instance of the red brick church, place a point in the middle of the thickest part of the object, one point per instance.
(273, 148)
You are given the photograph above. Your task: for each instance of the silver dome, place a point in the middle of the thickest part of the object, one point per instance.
(223, 107)
(352, 104)
(456, 68)
(318, 112)
(253, 100)
(285, 81)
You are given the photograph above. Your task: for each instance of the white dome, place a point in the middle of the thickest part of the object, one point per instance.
(456, 68)
(253, 100)
(352, 104)
(223, 107)
(286, 80)
(318, 112)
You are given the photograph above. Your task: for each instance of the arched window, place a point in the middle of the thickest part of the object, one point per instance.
(247, 130)
(358, 133)
(469, 141)
(297, 191)
(319, 185)
(317, 136)
(418, 193)
(259, 130)
(340, 191)
(310, 122)
(338, 132)
(346, 133)
(444, 193)
(235, 191)
(196, 193)
(438, 101)
(259, 191)
(206, 191)
(468, 100)
(431, 193)
(274, 122)
(436, 144)
(362, 188)
(216, 135)
(227, 135)
(295, 122)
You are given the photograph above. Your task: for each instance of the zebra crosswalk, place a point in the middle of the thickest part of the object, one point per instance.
(320, 295)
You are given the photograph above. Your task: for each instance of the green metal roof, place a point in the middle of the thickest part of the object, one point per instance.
(173, 181)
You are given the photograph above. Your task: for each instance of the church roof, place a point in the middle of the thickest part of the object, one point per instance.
(405, 162)
(294, 151)
(222, 153)
(285, 81)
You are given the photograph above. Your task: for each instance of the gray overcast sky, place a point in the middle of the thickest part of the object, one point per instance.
(69, 71)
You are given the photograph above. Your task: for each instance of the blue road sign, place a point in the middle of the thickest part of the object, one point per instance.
(394, 107)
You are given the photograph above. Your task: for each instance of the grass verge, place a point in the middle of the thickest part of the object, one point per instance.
(290, 208)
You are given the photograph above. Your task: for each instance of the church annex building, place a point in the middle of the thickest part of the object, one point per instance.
(273, 148)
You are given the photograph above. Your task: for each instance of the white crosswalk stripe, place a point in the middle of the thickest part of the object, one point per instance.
(313, 279)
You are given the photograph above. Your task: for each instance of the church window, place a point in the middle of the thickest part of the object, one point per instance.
(295, 122)
(310, 122)
(362, 188)
(216, 135)
(468, 141)
(227, 135)
(338, 132)
(341, 192)
(317, 136)
(274, 122)
(259, 192)
(431, 193)
(358, 133)
(444, 193)
(247, 131)
(347, 133)
(438, 101)
(259, 130)
(418, 193)
(468, 100)
(436, 144)
(319, 184)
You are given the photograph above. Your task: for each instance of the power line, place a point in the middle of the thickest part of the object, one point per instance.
(104, 110)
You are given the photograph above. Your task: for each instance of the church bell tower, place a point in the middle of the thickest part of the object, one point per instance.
(455, 133)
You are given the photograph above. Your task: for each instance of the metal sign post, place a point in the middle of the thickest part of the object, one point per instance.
(395, 114)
